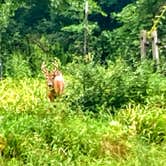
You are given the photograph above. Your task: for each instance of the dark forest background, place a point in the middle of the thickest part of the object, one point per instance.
(33, 31)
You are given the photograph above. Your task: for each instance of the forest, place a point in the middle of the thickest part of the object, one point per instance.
(112, 110)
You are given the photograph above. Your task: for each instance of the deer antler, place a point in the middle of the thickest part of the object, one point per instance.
(56, 65)
(43, 68)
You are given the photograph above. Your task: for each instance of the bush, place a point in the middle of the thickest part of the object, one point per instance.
(17, 66)
(148, 122)
(95, 87)
(35, 131)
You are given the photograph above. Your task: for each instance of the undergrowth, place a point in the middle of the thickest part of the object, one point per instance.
(117, 118)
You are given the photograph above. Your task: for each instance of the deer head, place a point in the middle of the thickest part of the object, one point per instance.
(48, 75)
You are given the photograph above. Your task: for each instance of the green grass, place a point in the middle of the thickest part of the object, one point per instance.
(35, 132)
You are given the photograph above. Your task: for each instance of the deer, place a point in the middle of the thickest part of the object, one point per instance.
(54, 81)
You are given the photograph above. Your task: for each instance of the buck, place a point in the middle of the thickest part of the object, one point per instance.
(54, 80)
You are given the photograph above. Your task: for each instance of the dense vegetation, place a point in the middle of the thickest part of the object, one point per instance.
(117, 119)
(112, 111)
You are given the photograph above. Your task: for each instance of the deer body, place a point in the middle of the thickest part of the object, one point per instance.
(58, 83)
(55, 82)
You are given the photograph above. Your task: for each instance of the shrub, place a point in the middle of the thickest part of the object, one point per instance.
(96, 87)
(147, 122)
(17, 66)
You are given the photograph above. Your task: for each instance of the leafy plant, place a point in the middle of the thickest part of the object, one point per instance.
(17, 66)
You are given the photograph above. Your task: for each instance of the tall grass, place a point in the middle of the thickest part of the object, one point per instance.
(34, 131)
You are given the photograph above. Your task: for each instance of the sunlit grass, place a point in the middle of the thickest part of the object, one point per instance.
(34, 131)
(22, 94)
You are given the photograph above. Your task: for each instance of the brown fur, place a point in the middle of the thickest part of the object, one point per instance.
(54, 81)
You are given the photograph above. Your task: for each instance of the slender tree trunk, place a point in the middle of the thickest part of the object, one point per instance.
(155, 50)
(86, 28)
(143, 41)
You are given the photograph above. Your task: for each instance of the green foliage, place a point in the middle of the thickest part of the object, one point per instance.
(56, 28)
(104, 89)
(35, 131)
(17, 67)
(148, 122)
(7, 10)
(111, 113)
(124, 41)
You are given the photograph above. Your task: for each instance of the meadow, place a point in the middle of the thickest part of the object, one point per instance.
(115, 117)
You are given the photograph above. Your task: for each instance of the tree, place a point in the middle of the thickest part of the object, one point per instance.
(124, 41)
(7, 10)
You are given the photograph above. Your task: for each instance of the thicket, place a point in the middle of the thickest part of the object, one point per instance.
(112, 111)
(79, 128)
(116, 85)
(40, 31)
